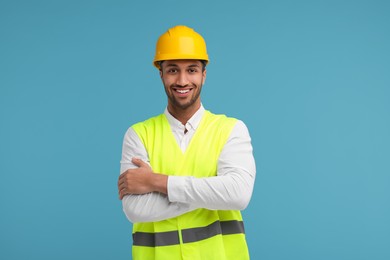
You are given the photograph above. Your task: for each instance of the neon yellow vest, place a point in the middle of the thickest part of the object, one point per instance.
(202, 233)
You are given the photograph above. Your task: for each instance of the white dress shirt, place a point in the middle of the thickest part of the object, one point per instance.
(231, 189)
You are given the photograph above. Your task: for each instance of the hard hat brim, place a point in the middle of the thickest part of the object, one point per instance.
(157, 62)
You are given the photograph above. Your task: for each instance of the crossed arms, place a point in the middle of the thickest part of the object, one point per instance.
(148, 196)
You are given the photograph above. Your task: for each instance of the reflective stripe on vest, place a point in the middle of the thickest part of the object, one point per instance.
(188, 235)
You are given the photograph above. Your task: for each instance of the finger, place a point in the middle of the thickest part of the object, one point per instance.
(121, 180)
(136, 161)
(122, 194)
(139, 162)
(122, 186)
(123, 175)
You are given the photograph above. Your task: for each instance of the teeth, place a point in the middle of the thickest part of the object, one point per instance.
(182, 91)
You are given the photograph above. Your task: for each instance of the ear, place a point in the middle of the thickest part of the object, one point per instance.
(161, 73)
(204, 76)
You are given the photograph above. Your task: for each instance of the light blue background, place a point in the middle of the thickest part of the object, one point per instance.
(311, 79)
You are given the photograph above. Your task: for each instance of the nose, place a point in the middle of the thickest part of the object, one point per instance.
(182, 79)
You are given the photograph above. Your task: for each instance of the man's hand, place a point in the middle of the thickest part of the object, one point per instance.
(141, 180)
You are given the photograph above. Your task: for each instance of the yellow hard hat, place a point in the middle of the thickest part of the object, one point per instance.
(180, 43)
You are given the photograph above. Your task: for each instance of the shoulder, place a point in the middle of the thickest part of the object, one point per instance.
(137, 130)
(220, 119)
(237, 124)
(238, 127)
(150, 122)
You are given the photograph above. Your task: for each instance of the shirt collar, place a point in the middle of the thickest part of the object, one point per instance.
(193, 122)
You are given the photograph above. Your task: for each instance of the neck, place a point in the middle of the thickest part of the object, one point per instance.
(183, 115)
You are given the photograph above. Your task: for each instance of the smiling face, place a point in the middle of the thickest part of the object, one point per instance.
(183, 81)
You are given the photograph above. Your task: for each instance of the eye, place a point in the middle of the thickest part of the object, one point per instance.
(172, 71)
(192, 70)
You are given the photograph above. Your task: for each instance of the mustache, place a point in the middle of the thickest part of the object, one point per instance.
(182, 86)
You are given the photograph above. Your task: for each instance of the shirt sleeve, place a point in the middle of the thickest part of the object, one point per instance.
(232, 188)
(151, 206)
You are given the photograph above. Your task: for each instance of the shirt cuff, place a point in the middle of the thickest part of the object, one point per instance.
(176, 187)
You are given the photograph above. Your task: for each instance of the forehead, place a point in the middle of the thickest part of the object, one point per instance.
(182, 63)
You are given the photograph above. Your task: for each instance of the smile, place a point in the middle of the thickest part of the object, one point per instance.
(182, 91)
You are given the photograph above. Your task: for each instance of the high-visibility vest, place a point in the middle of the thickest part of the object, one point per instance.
(202, 233)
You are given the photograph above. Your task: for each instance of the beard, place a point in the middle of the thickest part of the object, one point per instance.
(183, 105)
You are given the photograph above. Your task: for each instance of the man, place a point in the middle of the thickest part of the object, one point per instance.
(186, 173)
